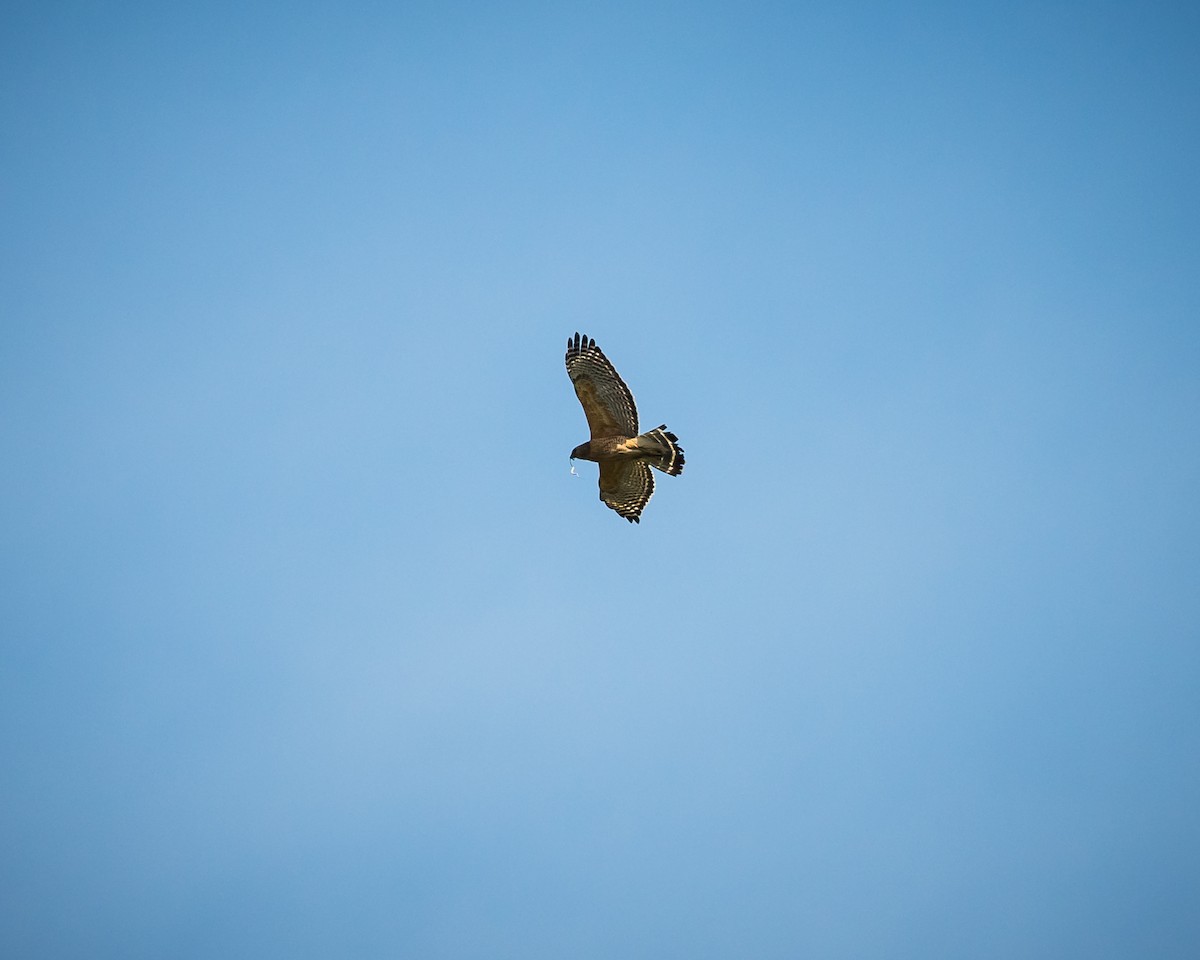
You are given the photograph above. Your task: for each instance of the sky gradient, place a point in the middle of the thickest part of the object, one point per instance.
(312, 645)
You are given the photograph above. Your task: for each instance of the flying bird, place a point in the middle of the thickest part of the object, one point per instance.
(624, 455)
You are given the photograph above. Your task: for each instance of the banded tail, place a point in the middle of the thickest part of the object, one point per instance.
(665, 452)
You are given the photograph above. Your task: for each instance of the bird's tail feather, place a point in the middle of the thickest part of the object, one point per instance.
(668, 454)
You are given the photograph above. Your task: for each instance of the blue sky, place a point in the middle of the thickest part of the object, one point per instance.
(313, 647)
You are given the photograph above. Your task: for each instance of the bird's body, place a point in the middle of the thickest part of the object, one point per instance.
(605, 448)
(624, 455)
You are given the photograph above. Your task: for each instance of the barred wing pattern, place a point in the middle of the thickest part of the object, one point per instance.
(606, 399)
(626, 486)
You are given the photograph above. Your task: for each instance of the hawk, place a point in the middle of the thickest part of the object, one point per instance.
(624, 455)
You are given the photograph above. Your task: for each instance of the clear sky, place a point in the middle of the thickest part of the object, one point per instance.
(312, 645)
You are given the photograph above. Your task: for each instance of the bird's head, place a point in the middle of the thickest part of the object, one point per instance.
(580, 452)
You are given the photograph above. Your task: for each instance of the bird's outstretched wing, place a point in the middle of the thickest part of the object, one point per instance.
(606, 399)
(626, 486)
